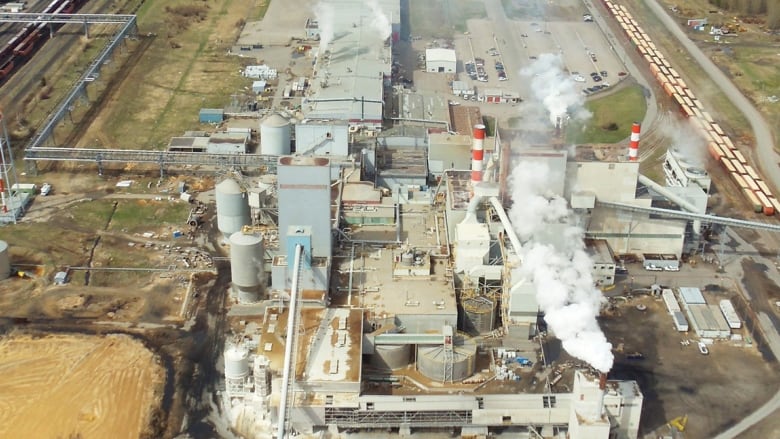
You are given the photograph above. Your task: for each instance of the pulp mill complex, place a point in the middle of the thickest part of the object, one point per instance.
(400, 266)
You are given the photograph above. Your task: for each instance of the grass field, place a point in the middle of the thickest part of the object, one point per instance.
(185, 68)
(750, 60)
(613, 115)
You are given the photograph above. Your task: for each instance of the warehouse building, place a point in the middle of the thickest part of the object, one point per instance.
(439, 60)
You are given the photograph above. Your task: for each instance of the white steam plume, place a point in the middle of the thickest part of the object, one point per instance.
(379, 20)
(562, 276)
(686, 141)
(325, 17)
(555, 89)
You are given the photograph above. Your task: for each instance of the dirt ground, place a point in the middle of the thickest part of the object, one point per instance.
(77, 386)
(715, 391)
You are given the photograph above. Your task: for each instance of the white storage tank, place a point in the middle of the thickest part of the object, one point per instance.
(246, 266)
(5, 261)
(275, 135)
(232, 207)
(236, 362)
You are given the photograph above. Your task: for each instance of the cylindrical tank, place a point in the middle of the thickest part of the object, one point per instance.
(232, 207)
(407, 258)
(478, 315)
(246, 266)
(431, 360)
(391, 356)
(236, 362)
(275, 135)
(5, 261)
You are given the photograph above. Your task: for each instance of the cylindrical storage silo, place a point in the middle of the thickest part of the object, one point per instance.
(5, 261)
(432, 361)
(232, 207)
(391, 357)
(275, 135)
(246, 266)
(236, 362)
(478, 315)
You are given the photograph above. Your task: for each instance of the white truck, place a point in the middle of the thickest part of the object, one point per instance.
(46, 189)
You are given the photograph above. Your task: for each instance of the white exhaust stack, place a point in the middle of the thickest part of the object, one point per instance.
(633, 146)
(477, 154)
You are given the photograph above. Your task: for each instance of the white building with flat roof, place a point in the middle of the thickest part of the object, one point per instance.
(440, 60)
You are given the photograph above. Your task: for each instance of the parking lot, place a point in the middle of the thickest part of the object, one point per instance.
(583, 48)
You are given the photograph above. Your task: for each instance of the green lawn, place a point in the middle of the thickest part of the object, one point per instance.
(134, 216)
(612, 117)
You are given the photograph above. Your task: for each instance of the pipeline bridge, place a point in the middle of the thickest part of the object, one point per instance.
(164, 159)
(704, 218)
(127, 29)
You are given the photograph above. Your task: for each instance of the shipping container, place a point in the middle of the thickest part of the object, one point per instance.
(727, 163)
(669, 89)
(707, 116)
(739, 180)
(715, 150)
(672, 305)
(674, 73)
(717, 128)
(727, 152)
(766, 206)
(755, 203)
(688, 101)
(697, 112)
(748, 169)
(680, 322)
(697, 103)
(775, 203)
(687, 111)
(738, 166)
(765, 189)
(727, 139)
(751, 183)
(730, 314)
(681, 82)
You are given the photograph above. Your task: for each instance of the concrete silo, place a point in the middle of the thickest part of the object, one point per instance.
(5, 261)
(236, 369)
(275, 135)
(246, 266)
(232, 207)
(479, 315)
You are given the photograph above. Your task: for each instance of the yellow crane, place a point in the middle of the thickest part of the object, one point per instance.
(679, 423)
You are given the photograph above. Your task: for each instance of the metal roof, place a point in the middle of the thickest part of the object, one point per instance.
(348, 77)
(692, 296)
(440, 55)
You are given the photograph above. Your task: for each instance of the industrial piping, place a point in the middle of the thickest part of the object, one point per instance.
(674, 198)
(288, 347)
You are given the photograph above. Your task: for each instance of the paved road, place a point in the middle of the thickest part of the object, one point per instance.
(767, 158)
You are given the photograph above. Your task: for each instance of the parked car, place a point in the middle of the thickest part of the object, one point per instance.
(502, 76)
(46, 189)
(703, 349)
(635, 356)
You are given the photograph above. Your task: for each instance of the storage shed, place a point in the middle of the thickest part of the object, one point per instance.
(440, 60)
(211, 115)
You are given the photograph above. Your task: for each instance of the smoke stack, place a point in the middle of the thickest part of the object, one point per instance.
(602, 381)
(477, 154)
(633, 146)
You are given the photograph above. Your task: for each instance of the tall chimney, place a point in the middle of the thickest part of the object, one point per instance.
(633, 146)
(477, 154)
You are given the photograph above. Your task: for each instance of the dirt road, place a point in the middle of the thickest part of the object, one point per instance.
(763, 135)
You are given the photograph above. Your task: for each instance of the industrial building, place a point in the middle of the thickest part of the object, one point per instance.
(439, 60)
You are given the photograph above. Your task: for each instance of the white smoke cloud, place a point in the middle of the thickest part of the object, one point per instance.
(562, 276)
(325, 19)
(379, 20)
(686, 141)
(555, 89)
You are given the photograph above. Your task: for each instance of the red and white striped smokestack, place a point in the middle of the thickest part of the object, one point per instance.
(633, 146)
(477, 153)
